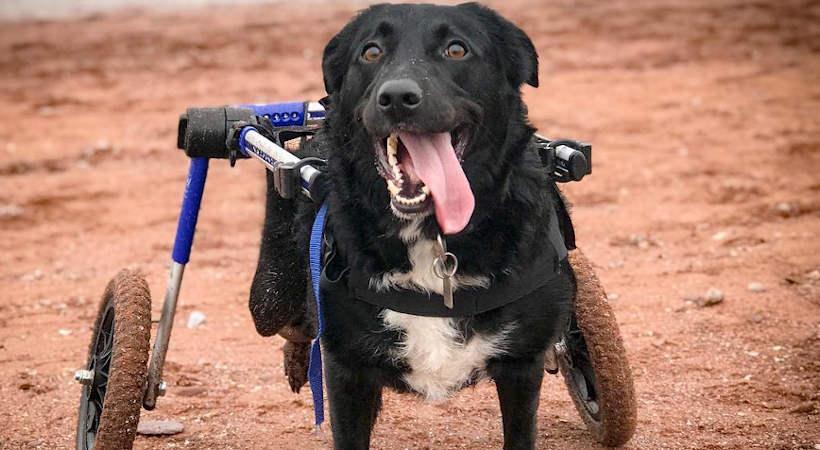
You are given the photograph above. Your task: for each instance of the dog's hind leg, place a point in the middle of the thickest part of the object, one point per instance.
(278, 292)
(355, 400)
(518, 382)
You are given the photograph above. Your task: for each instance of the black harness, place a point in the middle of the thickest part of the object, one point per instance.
(338, 278)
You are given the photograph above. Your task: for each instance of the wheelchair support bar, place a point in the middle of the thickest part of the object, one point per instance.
(277, 159)
(191, 201)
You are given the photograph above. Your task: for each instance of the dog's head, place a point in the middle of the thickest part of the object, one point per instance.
(431, 95)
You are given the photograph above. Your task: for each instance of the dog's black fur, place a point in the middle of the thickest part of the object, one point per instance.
(507, 230)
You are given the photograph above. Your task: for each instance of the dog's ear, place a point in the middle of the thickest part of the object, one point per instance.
(335, 57)
(518, 53)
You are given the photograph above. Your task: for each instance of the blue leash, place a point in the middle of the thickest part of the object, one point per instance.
(315, 366)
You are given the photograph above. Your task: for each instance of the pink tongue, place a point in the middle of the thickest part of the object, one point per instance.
(436, 164)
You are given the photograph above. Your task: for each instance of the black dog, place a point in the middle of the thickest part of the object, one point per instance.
(426, 135)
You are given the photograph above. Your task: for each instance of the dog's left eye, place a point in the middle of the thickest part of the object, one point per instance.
(456, 50)
(371, 53)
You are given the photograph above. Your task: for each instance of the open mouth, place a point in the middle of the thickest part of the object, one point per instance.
(423, 173)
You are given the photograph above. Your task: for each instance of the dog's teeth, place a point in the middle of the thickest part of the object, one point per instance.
(392, 156)
(391, 186)
(425, 189)
(392, 144)
(412, 201)
(419, 198)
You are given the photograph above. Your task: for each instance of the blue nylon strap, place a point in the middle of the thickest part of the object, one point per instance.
(315, 366)
(191, 200)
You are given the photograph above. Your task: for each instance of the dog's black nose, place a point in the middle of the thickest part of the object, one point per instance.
(399, 96)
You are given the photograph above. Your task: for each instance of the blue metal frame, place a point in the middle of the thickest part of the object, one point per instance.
(191, 202)
(281, 115)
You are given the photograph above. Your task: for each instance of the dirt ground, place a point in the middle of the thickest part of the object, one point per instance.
(704, 119)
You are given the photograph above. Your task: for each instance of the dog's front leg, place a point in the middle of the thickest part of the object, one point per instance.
(355, 399)
(518, 382)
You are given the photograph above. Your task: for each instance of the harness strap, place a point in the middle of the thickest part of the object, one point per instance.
(315, 366)
(504, 289)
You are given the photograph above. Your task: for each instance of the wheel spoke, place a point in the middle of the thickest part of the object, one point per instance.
(91, 417)
(106, 354)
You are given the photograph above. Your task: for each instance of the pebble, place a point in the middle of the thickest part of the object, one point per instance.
(159, 427)
(64, 332)
(713, 297)
(11, 211)
(190, 391)
(786, 210)
(196, 319)
(612, 296)
(755, 287)
(719, 236)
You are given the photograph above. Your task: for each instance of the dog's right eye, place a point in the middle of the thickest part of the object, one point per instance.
(371, 53)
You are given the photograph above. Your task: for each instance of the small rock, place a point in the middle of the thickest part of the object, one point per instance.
(713, 297)
(64, 332)
(612, 297)
(190, 391)
(755, 287)
(814, 275)
(719, 236)
(10, 211)
(159, 427)
(196, 319)
(805, 407)
(786, 209)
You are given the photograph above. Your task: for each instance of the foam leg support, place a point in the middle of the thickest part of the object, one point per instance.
(191, 201)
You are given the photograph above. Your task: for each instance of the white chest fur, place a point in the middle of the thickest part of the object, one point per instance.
(441, 361)
(421, 253)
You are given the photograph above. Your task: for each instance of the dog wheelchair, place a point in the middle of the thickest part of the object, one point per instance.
(119, 378)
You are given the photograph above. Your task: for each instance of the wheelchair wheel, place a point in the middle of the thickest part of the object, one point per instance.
(116, 370)
(592, 359)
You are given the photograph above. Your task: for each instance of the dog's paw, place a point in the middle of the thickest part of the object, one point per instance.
(297, 358)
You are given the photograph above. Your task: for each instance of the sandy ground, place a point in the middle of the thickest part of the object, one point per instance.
(704, 117)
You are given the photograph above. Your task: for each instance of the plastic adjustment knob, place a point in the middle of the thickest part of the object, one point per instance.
(573, 162)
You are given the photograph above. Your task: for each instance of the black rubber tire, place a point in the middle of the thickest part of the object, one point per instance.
(110, 406)
(594, 363)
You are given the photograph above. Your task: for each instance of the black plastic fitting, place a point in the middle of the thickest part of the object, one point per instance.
(203, 132)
